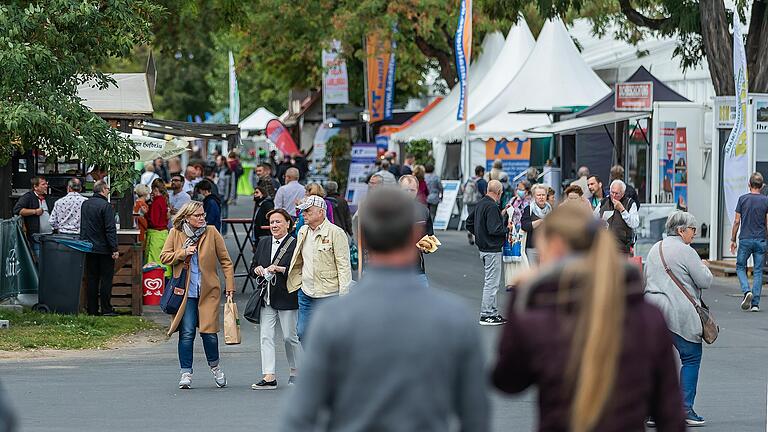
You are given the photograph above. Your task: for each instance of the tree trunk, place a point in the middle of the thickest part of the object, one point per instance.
(757, 48)
(718, 45)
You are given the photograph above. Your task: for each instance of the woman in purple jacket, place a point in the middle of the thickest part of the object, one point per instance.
(581, 332)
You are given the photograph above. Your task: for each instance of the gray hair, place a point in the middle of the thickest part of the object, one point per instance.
(141, 190)
(679, 220)
(621, 184)
(74, 184)
(331, 187)
(538, 186)
(583, 172)
(99, 186)
(378, 176)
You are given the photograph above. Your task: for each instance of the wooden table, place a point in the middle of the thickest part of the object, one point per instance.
(247, 225)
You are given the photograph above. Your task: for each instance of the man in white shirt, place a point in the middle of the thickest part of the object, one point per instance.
(65, 216)
(289, 195)
(620, 213)
(190, 180)
(149, 175)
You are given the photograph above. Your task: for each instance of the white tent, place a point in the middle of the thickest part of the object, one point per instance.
(517, 48)
(427, 126)
(257, 120)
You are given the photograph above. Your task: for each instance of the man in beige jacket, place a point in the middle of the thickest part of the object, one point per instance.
(320, 267)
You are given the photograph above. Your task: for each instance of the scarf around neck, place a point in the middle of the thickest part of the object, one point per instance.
(540, 212)
(193, 235)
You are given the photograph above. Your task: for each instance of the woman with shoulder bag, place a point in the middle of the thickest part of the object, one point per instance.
(681, 315)
(191, 242)
(270, 264)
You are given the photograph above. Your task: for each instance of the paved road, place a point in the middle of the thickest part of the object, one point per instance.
(135, 388)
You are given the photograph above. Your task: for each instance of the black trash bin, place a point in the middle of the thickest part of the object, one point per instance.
(61, 266)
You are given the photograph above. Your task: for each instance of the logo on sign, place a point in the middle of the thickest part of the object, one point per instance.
(152, 287)
(635, 96)
(12, 264)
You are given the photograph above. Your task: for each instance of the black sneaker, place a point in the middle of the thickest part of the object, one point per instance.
(264, 385)
(490, 321)
(291, 380)
(500, 319)
(747, 301)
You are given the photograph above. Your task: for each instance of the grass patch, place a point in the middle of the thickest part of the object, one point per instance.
(34, 330)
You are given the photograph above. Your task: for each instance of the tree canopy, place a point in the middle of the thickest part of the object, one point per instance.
(47, 51)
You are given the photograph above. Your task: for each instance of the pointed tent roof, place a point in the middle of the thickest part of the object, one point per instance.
(517, 48)
(555, 75)
(426, 126)
(257, 120)
(661, 93)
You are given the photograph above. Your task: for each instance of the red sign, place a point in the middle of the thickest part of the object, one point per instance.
(279, 135)
(634, 96)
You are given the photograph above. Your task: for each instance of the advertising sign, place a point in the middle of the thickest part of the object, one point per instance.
(381, 77)
(363, 162)
(335, 80)
(446, 206)
(666, 162)
(761, 117)
(515, 155)
(463, 49)
(280, 137)
(681, 169)
(634, 96)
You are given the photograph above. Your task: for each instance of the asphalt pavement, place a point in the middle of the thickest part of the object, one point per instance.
(135, 387)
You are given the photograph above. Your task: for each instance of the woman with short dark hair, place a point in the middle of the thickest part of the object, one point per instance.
(270, 265)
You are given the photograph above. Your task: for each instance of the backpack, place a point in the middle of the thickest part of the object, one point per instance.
(471, 194)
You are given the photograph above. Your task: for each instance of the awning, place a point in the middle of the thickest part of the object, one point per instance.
(152, 148)
(576, 124)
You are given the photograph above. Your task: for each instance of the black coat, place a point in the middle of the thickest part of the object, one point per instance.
(342, 217)
(487, 225)
(279, 297)
(259, 218)
(97, 224)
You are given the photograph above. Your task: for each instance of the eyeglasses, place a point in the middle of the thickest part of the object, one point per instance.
(199, 215)
(693, 228)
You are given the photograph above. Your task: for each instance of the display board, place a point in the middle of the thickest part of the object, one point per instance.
(446, 206)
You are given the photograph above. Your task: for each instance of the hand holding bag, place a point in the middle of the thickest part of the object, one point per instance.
(710, 329)
(231, 323)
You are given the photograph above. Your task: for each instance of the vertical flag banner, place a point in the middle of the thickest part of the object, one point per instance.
(335, 79)
(280, 137)
(380, 58)
(463, 48)
(736, 163)
(234, 93)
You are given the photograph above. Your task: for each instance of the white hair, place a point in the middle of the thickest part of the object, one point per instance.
(679, 220)
(539, 186)
(621, 184)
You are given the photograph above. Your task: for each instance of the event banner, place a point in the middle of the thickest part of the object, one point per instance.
(446, 206)
(335, 79)
(736, 163)
(381, 77)
(281, 138)
(666, 162)
(463, 49)
(515, 155)
(362, 163)
(234, 93)
(681, 169)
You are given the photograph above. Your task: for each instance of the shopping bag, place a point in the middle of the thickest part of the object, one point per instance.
(231, 323)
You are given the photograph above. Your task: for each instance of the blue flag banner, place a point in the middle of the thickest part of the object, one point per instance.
(463, 47)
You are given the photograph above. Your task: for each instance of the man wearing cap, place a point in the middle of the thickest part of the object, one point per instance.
(320, 266)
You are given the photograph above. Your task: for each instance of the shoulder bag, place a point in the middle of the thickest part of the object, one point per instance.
(173, 295)
(252, 310)
(710, 329)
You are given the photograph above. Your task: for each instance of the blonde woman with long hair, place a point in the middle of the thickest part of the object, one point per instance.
(581, 331)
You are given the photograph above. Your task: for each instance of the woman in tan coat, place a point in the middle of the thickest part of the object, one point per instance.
(203, 245)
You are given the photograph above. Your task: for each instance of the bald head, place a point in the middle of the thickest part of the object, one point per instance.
(494, 190)
(291, 174)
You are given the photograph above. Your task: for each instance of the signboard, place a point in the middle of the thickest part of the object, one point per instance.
(335, 80)
(681, 169)
(462, 46)
(666, 162)
(726, 114)
(381, 77)
(382, 144)
(515, 155)
(446, 206)
(363, 161)
(633, 96)
(761, 117)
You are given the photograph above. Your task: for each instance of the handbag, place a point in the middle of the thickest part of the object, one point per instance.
(252, 311)
(173, 295)
(710, 329)
(231, 323)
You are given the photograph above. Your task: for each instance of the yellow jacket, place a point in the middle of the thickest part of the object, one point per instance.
(332, 269)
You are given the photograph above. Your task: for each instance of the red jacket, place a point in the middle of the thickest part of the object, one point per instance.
(157, 218)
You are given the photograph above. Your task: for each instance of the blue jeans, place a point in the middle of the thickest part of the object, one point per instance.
(187, 330)
(306, 304)
(690, 357)
(756, 249)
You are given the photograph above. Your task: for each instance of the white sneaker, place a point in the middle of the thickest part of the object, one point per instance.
(746, 301)
(186, 381)
(218, 376)
(755, 309)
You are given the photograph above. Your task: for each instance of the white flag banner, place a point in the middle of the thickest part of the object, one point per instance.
(234, 93)
(335, 80)
(736, 160)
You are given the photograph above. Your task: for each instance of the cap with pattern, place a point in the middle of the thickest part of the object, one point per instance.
(312, 200)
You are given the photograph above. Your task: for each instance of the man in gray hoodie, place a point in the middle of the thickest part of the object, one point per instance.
(394, 355)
